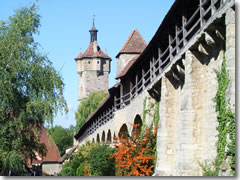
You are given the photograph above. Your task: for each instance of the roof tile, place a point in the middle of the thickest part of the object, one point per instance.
(90, 52)
(134, 44)
(52, 154)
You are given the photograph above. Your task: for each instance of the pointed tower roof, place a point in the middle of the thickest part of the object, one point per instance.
(93, 33)
(93, 27)
(134, 45)
(79, 55)
(93, 49)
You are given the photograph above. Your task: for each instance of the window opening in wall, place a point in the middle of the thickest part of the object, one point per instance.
(89, 62)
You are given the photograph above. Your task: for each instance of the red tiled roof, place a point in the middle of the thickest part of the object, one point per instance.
(79, 55)
(134, 44)
(126, 68)
(91, 53)
(52, 154)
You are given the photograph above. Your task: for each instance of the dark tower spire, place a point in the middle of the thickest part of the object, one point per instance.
(93, 32)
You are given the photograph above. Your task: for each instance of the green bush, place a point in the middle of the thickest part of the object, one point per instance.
(70, 168)
(80, 170)
(100, 164)
(67, 171)
(94, 157)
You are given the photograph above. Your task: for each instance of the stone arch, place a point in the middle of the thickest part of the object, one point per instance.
(98, 138)
(138, 121)
(103, 137)
(114, 138)
(123, 132)
(109, 137)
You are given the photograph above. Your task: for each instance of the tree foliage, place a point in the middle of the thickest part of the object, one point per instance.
(63, 137)
(31, 91)
(87, 106)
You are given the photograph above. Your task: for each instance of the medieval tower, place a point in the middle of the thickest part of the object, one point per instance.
(133, 47)
(93, 68)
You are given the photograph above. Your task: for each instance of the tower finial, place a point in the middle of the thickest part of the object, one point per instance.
(93, 31)
(94, 18)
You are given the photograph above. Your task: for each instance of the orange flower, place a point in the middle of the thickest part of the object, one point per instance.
(85, 172)
(134, 156)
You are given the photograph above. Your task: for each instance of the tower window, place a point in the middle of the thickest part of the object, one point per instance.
(98, 62)
(89, 62)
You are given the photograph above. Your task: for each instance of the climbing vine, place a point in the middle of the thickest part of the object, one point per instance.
(156, 113)
(154, 125)
(226, 126)
(226, 120)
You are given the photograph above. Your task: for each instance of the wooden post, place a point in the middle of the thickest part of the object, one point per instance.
(177, 39)
(170, 47)
(154, 68)
(159, 52)
(151, 73)
(201, 13)
(143, 79)
(160, 60)
(121, 95)
(184, 30)
(213, 8)
(136, 85)
(102, 119)
(98, 122)
(115, 102)
(131, 87)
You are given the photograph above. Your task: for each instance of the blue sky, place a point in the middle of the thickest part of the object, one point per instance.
(65, 28)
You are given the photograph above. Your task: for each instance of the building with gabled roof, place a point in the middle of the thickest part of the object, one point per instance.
(46, 164)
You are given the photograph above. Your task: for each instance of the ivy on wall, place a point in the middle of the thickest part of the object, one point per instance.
(226, 120)
(154, 124)
(226, 126)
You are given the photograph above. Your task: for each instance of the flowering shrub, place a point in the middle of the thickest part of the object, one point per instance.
(135, 155)
(85, 172)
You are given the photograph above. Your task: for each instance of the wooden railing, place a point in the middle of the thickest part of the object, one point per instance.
(190, 28)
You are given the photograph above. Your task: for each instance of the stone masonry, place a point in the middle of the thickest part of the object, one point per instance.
(187, 133)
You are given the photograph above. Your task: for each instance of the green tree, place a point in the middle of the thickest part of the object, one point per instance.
(63, 137)
(87, 106)
(31, 91)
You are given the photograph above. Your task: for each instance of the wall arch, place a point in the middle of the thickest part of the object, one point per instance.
(138, 121)
(98, 138)
(103, 137)
(109, 137)
(123, 132)
(114, 138)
